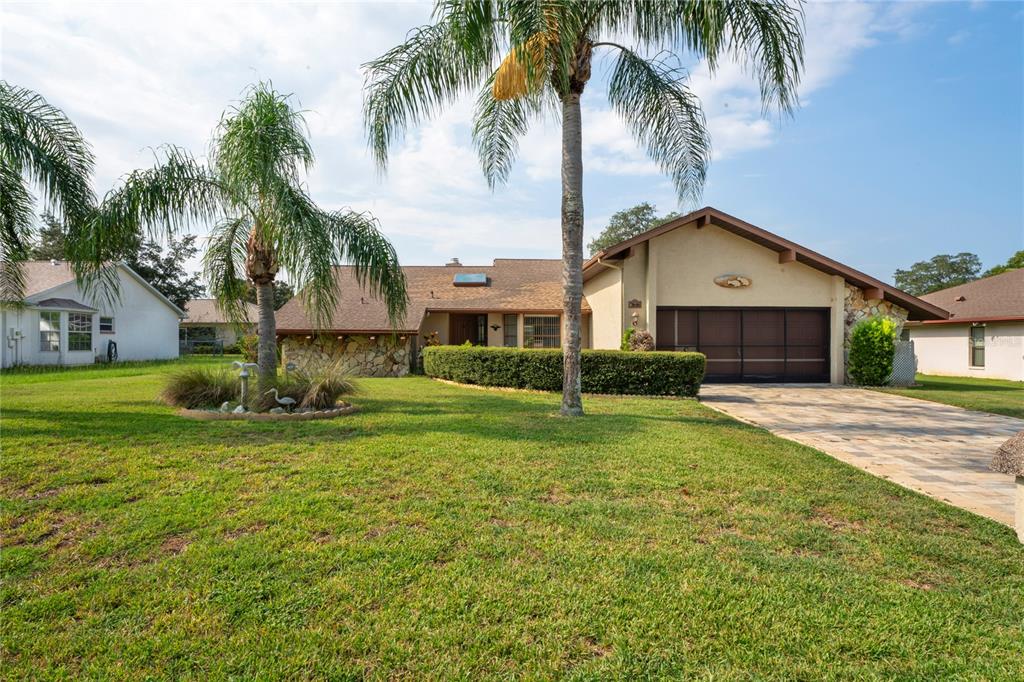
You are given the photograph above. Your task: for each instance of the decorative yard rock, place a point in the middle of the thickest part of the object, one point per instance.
(1009, 459)
(215, 415)
(383, 356)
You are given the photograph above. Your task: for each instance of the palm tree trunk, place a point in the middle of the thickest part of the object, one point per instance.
(267, 347)
(572, 251)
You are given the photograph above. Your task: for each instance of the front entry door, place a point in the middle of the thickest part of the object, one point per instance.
(463, 327)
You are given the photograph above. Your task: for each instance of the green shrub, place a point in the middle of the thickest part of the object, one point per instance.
(872, 347)
(627, 336)
(248, 346)
(196, 387)
(603, 371)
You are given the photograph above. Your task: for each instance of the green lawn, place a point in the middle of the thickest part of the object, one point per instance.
(985, 395)
(451, 533)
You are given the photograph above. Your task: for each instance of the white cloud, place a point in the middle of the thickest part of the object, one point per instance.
(135, 76)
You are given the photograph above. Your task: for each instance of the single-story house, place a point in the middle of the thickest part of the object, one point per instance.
(761, 308)
(59, 324)
(205, 322)
(984, 334)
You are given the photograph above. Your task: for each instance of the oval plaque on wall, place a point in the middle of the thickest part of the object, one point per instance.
(732, 281)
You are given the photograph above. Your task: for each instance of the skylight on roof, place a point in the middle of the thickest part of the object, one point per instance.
(470, 279)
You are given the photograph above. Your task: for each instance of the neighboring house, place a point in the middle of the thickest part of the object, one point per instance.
(760, 307)
(984, 335)
(58, 324)
(204, 321)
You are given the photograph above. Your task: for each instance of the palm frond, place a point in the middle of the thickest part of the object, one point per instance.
(767, 35)
(38, 140)
(497, 126)
(15, 234)
(260, 139)
(224, 266)
(665, 118)
(432, 68)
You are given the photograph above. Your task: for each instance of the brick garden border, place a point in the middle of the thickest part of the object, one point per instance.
(208, 415)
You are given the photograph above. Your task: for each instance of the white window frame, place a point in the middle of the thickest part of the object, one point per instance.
(74, 327)
(972, 346)
(112, 327)
(49, 315)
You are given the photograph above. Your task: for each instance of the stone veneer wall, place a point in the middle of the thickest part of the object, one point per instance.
(358, 354)
(857, 308)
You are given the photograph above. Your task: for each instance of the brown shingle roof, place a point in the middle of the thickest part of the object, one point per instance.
(997, 297)
(41, 275)
(205, 311)
(514, 285)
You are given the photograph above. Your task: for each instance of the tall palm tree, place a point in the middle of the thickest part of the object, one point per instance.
(40, 148)
(264, 220)
(549, 47)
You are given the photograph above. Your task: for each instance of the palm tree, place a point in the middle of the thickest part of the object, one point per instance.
(264, 220)
(548, 49)
(39, 148)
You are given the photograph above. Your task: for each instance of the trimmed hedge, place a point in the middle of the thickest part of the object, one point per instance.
(604, 371)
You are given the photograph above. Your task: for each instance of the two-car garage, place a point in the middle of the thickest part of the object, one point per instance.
(751, 344)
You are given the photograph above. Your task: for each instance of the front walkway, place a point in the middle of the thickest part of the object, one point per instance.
(939, 450)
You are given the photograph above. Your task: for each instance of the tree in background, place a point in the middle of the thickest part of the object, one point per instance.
(283, 292)
(41, 150)
(627, 224)
(1015, 262)
(252, 190)
(549, 50)
(166, 271)
(940, 272)
(50, 241)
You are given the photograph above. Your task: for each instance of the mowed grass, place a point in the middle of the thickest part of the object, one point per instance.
(985, 395)
(452, 533)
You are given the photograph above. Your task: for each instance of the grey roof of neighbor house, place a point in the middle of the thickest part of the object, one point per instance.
(513, 285)
(205, 311)
(919, 309)
(43, 275)
(1000, 297)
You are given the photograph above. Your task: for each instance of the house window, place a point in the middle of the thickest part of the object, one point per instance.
(79, 331)
(978, 346)
(106, 325)
(511, 324)
(49, 332)
(541, 331)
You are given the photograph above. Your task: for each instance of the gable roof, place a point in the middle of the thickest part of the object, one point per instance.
(513, 285)
(919, 309)
(205, 311)
(42, 276)
(1000, 297)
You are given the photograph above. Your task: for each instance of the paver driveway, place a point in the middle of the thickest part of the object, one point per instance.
(940, 450)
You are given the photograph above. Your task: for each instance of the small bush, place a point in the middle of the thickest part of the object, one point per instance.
(641, 341)
(248, 345)
(627, 336)
(872, 348)
(603, 371)
(197, 387)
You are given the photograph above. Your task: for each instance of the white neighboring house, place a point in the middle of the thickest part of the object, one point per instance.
(204, 321)
(984, 335)
(60, 325)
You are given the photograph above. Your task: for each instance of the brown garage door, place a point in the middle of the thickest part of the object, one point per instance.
(751, 344)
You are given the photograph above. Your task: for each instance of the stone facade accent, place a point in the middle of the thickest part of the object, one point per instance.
(856, 308)
(357, 354)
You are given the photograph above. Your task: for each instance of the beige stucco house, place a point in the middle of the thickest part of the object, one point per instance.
(760, 307)
(984, 334)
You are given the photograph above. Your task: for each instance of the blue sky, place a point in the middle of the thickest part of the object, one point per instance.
(909, 141)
